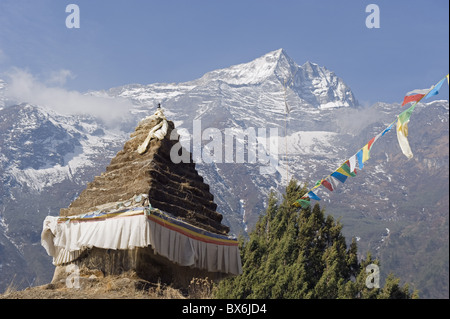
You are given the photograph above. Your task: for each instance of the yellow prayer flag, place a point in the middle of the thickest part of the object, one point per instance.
(366, 154)
(402, 137)
(343, 172)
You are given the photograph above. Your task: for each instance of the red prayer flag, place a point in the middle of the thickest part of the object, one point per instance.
(369, 145)
(414, 96)
(327, 184)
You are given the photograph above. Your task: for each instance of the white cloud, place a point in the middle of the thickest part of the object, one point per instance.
(353, 121)
(24, 87)
(59, 78)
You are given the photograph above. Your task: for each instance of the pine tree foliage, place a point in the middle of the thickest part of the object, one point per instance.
(299, 253)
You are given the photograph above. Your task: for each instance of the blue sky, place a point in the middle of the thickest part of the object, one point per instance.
(140, 41)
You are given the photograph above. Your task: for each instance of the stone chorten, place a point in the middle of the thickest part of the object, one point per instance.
(144, 167)
(144, 213)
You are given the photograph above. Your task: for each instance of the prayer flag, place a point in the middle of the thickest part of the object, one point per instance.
(352, 163)
(405, 115)
(342, 171)
(327, 184)
(333, 181)
(435, 90)
(369, 145)
(348, 169)
(340, 177)
(374, 139)
(345, 170)
(313, 195)
(402, 137)
(402, 131)
(305, 203)
(302, 202)
(365, 153)
(387, 129)
(414, 96)
(359, 156)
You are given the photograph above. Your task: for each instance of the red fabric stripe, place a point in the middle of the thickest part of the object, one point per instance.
(211, 241)
(412, 98)
(327, 185)
(369, 145)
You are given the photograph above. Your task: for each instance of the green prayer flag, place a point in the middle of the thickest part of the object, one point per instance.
(303, 203)
(345, 170)
(405, 115)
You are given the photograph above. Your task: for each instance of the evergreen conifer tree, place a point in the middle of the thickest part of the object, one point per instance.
(297, 253)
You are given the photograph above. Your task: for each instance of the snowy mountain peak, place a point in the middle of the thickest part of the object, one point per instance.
(313, 84)
(249, 73)
(322, 87)
(313, 68)
(309, 85)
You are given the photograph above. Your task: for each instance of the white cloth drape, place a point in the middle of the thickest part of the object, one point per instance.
(65, 241)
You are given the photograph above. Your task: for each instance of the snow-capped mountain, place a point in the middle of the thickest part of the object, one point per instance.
(307, 86)
(41, 148)
(252, 95)
(45, 161)
(46, 158)
(313, 85)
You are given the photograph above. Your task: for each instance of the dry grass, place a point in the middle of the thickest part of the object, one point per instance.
(93, 285)
(12, 287)
(201, 288)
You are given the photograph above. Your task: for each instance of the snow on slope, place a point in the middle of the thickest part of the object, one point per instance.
(265, 76)
(41, 148)
(311, 142)
(2, 93)
(151, 94)
(250, 73)
(39, 179)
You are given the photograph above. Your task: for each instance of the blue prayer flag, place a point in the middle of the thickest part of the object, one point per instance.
(340, 177)
(435, 90)
(313, 196)
(359, 156)
(387, 129)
